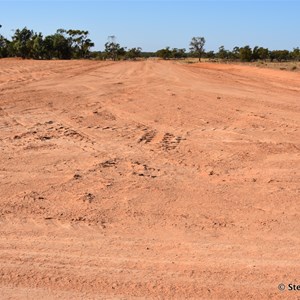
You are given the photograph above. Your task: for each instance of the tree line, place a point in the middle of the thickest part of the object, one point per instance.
(245, 53)
(64, 44)
(76, 44)
(248, 54)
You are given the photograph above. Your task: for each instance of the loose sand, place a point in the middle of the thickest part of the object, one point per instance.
(148, 179)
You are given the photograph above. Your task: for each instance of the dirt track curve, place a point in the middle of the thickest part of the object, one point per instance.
(148, 180)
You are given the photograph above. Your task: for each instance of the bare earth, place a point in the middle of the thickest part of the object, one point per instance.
(148, 179)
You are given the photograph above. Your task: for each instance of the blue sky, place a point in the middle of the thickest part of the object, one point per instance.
(156, 24)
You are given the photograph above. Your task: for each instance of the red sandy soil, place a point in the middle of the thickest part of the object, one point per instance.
(148, 180)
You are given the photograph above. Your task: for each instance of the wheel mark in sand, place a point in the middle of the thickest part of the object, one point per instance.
(170, 141)
(148, 136)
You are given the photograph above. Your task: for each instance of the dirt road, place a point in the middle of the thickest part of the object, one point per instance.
(156, 180)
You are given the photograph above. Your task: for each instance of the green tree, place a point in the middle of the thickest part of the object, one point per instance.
(178, 53)
(80, 43)
(114, 50)
(49, 47)
(197, 46)
(62, 45)
(4, 47)
(22, 42)
(236, 52)
(246, 53)
(222, 53)
(296, 54)
(263, 53)
(133, 53)
(280, 55)
(165, 53)
(38, 46)
(210, 54)
(255, 53)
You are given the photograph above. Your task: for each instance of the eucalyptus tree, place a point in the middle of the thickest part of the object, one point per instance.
(246, 53)
(133, 53)
(178, 53)
(197, 46)
(80, 43)
(222, 53)
(22, 42)
(113, 50)
(38, 50)
(4, 46)
(165, 53)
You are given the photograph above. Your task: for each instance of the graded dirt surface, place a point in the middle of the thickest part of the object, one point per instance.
(148, 180)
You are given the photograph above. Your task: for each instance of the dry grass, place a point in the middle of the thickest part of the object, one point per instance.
(285, 66)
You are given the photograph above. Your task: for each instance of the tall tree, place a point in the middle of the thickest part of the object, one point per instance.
(80, 42)
(197, 46)
(22, 42)
(4, 46)
(38, 46)
(61, 46)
